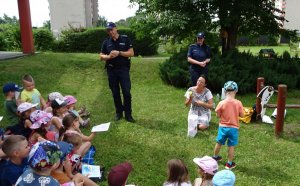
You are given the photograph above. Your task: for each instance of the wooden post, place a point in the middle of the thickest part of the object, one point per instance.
(260, 83)
(282, 91)
(25, 27)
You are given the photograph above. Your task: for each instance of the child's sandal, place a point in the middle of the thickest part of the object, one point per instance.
(81, 110)
(85, 123)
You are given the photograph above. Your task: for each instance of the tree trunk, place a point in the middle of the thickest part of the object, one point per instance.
(229, 38)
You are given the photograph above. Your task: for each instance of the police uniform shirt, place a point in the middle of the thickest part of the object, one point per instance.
(199, 53)
(123, 43)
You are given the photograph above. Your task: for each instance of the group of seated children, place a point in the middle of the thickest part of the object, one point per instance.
(45, 163)
(207, 169)
(44, 135)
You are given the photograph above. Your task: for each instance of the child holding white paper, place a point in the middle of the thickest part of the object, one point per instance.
(71, 123)
(101, 128)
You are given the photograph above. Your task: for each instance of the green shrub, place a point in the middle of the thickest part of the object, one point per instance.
(174, 71)
(43, 39)
(12, 37)
(286, 55)
(244, 68)
(90, 40)
(145, 46)
(2, 42)
(59, 46)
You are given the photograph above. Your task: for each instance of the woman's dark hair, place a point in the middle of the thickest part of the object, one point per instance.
(204, 77)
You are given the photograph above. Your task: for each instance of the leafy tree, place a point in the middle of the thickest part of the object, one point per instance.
(178, 19)
(47, 24)
(8, 20)
(102, 21)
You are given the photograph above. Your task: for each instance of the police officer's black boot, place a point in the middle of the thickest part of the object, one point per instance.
(118, 116)
(130, 119)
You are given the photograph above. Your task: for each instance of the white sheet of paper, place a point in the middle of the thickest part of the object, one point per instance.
(91, 171)
(101, 128)
(1, 117)
(267, 119)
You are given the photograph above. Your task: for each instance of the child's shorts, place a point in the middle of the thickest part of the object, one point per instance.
(228, 133)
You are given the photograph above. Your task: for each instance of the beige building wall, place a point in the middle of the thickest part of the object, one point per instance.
(72, 13)
(292, 14)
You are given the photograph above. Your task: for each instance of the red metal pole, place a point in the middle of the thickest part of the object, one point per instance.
(260, 83)
(282, 92)
(25, 27)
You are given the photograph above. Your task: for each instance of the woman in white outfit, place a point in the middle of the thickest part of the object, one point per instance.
(200, 100)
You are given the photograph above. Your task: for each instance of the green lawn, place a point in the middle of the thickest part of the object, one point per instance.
(160, 131)
(255, 49)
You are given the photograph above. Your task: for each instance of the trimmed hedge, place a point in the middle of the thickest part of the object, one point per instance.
(244, 68)
(43, 39)
(90, 40)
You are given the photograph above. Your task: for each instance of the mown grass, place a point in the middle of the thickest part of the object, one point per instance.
(255, 49)
(160, 131)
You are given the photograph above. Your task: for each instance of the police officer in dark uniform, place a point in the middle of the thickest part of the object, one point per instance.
(198, 56)
(116, 51)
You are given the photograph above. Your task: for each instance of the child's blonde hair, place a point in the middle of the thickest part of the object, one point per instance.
(72, 137)
(27, 77)
(12, 144)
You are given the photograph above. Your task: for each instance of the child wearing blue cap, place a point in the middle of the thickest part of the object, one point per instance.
(228, 110)
(10, 104)
(224, 178)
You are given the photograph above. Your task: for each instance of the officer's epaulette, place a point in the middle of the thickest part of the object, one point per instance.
(193, 44)
(124, 36)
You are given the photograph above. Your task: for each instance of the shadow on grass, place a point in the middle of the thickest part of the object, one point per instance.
(174, 128)
(264, 173)
(291, 132)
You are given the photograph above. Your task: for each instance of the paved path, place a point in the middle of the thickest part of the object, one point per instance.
(4, 55)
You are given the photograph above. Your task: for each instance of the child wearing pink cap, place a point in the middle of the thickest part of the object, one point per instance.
(71, 105)
(40, 124)
(23, 127)
(207, 167)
